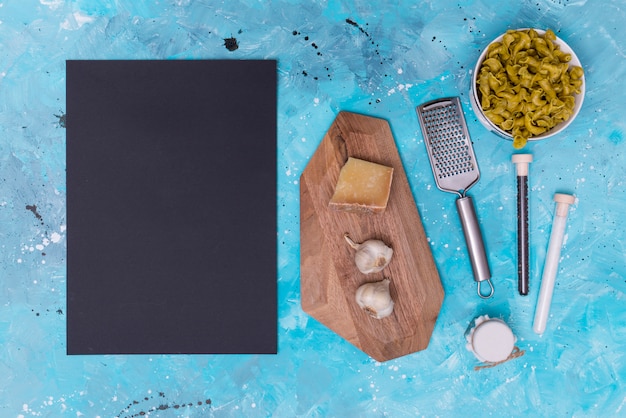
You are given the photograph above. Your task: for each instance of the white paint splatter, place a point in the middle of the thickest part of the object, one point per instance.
(52, 4)
(76, 21)
(55, 237)
(399, 88)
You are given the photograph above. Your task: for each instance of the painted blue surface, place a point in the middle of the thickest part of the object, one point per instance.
(383, 61)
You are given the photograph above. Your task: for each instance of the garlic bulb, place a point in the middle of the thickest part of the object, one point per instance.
(375, 298)
(371, 256)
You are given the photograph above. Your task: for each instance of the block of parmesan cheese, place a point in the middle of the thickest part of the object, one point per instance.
(363, 186)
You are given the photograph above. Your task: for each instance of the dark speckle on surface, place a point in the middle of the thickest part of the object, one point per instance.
(231, 44)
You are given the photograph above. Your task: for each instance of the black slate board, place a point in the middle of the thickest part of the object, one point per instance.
(171, 207)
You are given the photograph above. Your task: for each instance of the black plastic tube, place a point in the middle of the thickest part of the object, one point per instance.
(521, 162)
(522, 235)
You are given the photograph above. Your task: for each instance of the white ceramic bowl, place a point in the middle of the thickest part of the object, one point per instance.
(578, 98)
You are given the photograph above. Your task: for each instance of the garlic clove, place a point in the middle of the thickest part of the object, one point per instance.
(371, 256)
(375, 298)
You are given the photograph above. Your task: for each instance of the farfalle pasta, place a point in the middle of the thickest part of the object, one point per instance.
(526, 85)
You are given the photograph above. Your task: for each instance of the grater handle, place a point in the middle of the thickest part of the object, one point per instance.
(473, 239)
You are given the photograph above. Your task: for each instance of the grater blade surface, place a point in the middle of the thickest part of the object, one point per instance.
(448, 145)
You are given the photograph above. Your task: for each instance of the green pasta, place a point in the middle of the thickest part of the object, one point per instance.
(525, 84)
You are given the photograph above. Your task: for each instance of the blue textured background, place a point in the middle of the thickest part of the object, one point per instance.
(384, 61)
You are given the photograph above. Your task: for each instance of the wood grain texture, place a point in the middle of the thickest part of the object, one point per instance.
(329, 277)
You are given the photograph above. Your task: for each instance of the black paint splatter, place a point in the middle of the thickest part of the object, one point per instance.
(162, 406)
(33, 209)
(313, 44)
(231, 44)
(318, 50)
(62, 119)
(369, 37)
(356, 25)
(471, 24)
(318, 53)
(47, 312)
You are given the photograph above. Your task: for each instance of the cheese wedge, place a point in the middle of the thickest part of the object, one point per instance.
(362, 187)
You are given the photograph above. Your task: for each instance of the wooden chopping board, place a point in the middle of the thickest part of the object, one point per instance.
(329, 277)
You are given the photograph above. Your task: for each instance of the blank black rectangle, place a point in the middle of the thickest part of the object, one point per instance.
(171, 206)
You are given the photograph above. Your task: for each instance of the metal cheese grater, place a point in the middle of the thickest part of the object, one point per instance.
(455, 170)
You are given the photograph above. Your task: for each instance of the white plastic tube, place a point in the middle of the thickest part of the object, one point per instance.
(552, 261)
